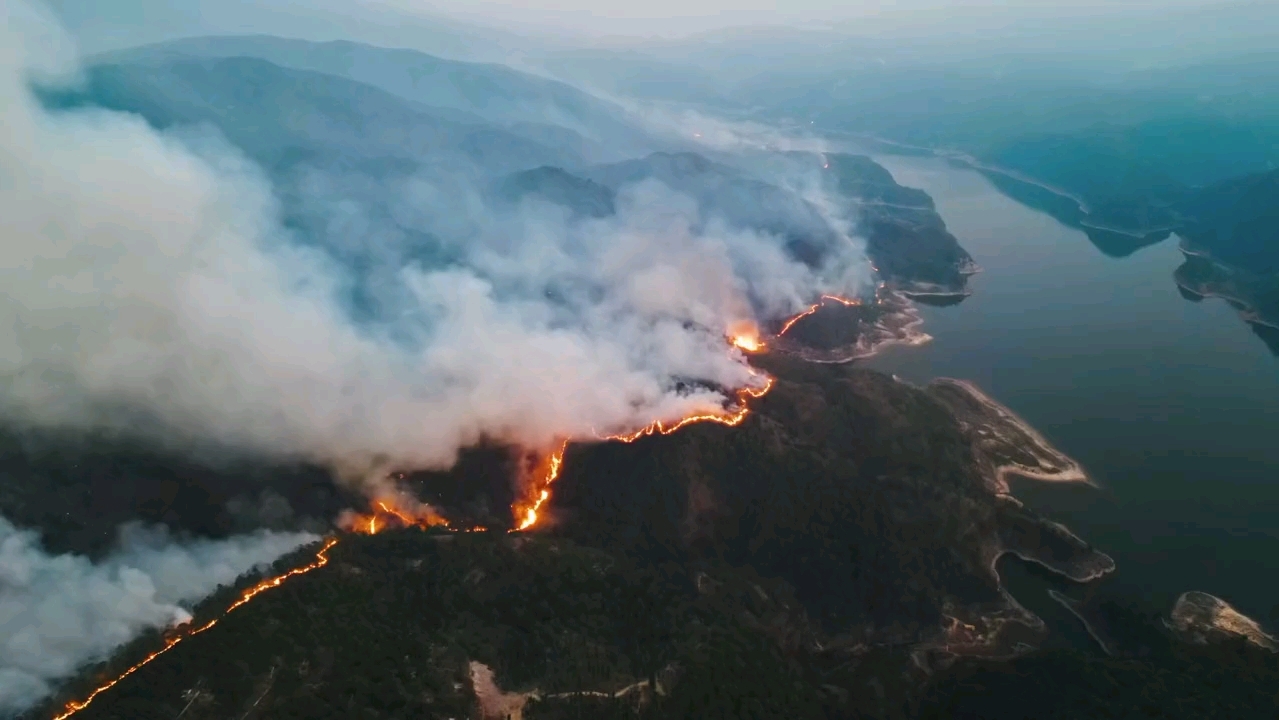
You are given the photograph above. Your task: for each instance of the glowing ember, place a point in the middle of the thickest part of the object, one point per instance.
(321, 559)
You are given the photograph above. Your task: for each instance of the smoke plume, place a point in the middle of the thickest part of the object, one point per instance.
(59, 612)
(150, 286)
(161, 284)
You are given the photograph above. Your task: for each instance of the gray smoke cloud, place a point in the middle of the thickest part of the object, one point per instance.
(58, 612)
(150, 286)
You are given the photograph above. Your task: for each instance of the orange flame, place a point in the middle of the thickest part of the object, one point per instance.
(745, 337)
(389, 512)
(548, 470)
(847, 302)
(321, 559)
(394, 513)
(731, 418)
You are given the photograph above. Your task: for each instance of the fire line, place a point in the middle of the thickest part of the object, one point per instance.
(321, 559)
(846, 302)
(747, 340)
(387, 513)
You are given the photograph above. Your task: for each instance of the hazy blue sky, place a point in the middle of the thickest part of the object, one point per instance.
(677, 17)
(1167, 26)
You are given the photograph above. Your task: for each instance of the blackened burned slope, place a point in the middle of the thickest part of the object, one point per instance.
(861, 493)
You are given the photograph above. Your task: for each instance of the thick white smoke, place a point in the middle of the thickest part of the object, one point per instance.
(148, 286)
(59, 612)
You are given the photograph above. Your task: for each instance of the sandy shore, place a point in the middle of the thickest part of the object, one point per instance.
(1201, 618)
(1054, 465)
(1104, 565)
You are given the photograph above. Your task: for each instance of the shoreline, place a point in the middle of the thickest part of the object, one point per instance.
(968, 161)
(1082, 579)
(1135, 234)
(1247, 311)
(1073, 607)
(1071, 470)
(899, 326)
(975, 164)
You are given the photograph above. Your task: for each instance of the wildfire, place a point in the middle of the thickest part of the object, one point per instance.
(731, 418)
(547, 471)
(392, 512)
(321, 559)
(847, 302)
(745, 337)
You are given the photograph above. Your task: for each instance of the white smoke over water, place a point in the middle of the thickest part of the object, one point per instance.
(58, 612)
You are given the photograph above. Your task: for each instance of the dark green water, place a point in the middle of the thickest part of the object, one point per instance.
(1171, 406)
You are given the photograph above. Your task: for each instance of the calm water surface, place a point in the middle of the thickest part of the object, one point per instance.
(1171, 406)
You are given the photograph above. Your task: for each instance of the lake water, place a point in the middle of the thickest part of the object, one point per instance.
(1171, 406)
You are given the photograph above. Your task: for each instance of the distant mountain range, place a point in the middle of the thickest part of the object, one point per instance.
(547, 110)
(281, 117)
